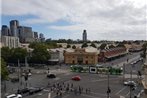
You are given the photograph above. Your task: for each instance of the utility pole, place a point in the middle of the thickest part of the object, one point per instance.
(108, 89)
(131, 80)
(124, 72)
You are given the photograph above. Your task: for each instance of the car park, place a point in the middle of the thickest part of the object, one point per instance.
(51, 75)
(76, 78)
(14, 96)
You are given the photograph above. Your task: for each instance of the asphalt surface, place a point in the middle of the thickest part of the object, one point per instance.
(96, 82)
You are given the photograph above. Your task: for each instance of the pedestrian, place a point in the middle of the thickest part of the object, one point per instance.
(86, 90)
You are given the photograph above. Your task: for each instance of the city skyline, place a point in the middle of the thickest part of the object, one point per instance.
(103, 19)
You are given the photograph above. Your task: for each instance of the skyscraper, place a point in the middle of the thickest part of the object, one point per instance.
(5, 30)
(13, 27)
(25, 34)
(84, 36)
(42, 38)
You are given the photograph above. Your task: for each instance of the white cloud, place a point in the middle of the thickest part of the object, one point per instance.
(103, 19)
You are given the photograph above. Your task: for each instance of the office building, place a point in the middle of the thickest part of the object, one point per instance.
(5, 30)
(10, 41)
(41, 37)
(84, 36)
(25, 34)
(36, 35)
(13, 27)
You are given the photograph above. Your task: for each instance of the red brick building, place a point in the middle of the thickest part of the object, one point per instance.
(109, 54)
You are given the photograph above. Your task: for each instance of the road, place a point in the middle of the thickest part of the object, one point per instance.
(96, 82)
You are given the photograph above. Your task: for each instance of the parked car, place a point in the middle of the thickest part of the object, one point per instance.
(23, 91)
(130, 83)
(15, 79)
(35, 90)
(51, 75)
(76, 78)
(14, 96)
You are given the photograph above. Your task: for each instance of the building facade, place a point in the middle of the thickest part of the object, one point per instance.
(84, 36)
(25, 34)
(5, 30)
(80, 56)
(56, 56)
(109, 54)
(13, 27)
(10, 41)
(41, 37)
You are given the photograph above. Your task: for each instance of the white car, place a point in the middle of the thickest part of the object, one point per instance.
(14, 96)
(129, 83)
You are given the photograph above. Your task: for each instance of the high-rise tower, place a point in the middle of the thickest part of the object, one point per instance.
(84, 36)
(13, 27)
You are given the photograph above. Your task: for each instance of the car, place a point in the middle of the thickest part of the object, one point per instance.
(76, 78)
(35, 90)
(129, 83)
(23, 91)
(14, 79)
(51, 75)
(14, 96)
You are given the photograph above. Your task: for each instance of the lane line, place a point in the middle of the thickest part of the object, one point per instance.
(89, 96)
(121, 90)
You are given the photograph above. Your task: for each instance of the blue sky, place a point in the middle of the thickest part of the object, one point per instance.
(103, 19)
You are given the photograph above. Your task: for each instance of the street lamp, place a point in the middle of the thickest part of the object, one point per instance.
(131, 80)
(108, 88)
(124, 72)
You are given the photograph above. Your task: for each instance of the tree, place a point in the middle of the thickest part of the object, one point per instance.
(111, 46)
(4, 71)
(6, 53)
(73, 47)
(40, 55)
(93, 45)
(18, 53)
(144, 47)
(60, 46)
(68, 46)
(102, 46)
(121, 45)
(84, 45)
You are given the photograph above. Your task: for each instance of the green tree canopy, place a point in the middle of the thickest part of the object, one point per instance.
(84, 45)
(18, 53)
(4, 71)
(102, 46)
(68, 46)
(40, 54)
(6, 53)
(73, 47)
(144, 47)
(111, 46)
(93, 45)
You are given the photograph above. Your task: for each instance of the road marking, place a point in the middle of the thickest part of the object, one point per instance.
(98, 94)
(49, 95)
(120, 90)
(57, 79)
(89, 96)
(128, 93)
(103, 80)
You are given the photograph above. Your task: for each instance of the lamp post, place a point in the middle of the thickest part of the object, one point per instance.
(124, 72)
(108, 88)
(131, 80)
